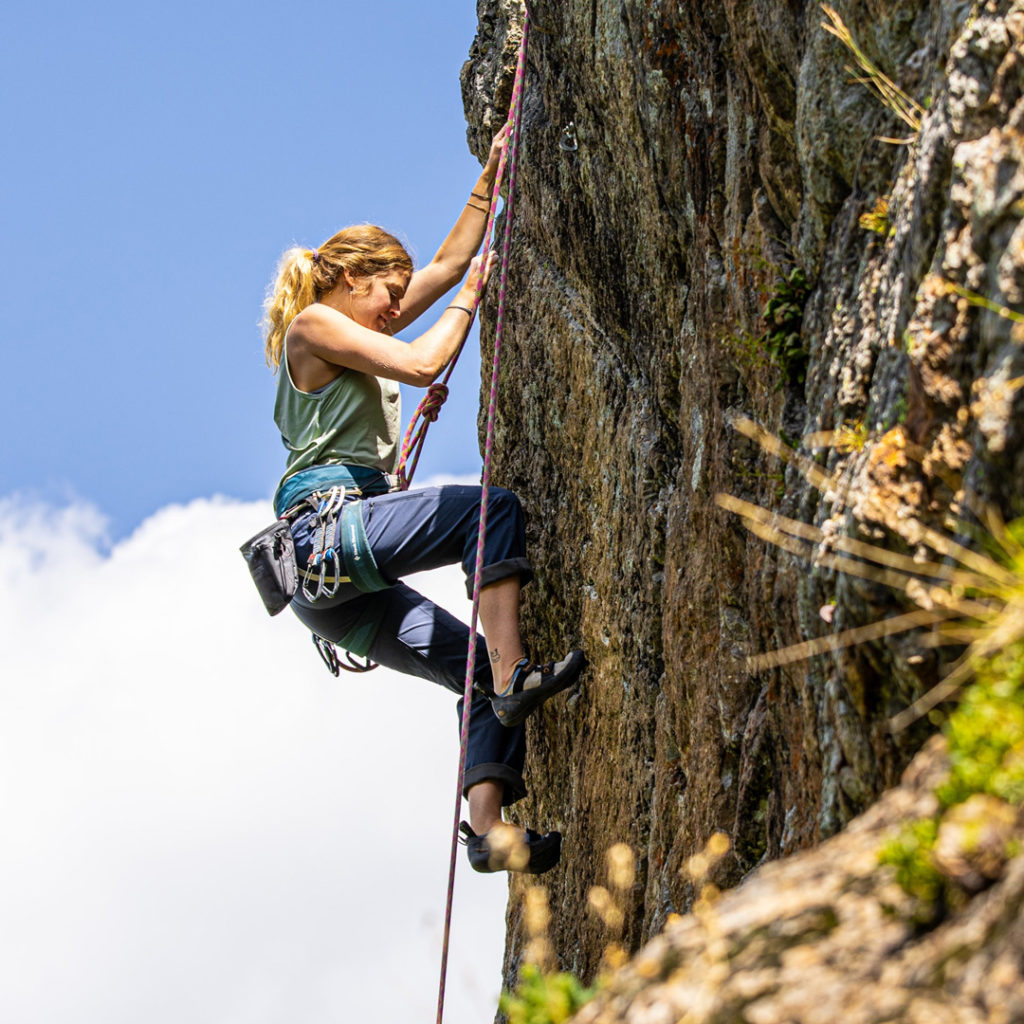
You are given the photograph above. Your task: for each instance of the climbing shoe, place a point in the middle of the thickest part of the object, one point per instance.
(507, 848)
(531, 685)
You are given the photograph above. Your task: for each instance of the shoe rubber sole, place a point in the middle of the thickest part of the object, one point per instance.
(544, 852)
(514, 708)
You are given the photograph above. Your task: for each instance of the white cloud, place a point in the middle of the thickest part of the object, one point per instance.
(200, 823)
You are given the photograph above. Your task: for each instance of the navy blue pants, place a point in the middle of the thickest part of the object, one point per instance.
(412, 531)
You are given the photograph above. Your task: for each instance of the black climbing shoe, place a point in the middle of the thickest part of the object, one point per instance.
(505, 848)
(532, 685)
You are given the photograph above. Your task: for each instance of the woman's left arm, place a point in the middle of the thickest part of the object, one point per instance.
(451, 261)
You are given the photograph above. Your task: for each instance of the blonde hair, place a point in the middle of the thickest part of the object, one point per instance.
(305, 275)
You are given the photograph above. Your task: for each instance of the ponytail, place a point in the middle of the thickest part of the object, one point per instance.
(292, 292)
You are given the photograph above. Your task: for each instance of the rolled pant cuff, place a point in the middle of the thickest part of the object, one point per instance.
(515, 787)
(500, 571)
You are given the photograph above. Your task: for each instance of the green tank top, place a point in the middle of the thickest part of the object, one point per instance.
(354, 421)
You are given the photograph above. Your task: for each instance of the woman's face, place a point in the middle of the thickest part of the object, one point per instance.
(376, 301)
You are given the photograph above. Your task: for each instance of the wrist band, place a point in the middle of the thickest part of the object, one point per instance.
(468, 312)
(479, 209)
(486, 199)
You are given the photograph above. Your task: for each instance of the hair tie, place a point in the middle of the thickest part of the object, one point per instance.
(315, 256)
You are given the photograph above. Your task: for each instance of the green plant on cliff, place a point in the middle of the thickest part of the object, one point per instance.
(877, 218)
(908, 110)
(784, 316)
(852, 436)
(543, 995)
(910, 853)
(746, 350)
(986, 734)
(985, 737)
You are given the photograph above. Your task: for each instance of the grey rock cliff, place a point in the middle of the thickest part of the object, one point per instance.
(722, 146)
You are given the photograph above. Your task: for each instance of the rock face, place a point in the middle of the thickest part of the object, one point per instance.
(718, 159)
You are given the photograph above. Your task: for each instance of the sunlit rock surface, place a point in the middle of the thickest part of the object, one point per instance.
(679, 163)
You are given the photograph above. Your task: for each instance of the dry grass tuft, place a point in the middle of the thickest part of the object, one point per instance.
(972, 598)
(908, 110)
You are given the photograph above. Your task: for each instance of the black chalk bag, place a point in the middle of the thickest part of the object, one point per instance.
(271, 559)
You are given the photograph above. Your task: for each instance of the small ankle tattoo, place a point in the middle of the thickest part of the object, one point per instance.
(495, 656)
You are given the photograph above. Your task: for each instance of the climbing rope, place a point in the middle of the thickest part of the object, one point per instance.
(515, 110)
(426, 413)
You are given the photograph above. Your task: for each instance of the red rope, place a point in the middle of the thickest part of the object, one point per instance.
(416, 433)
(515, 111)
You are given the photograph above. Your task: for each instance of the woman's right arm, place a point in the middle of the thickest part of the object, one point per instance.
(321, 339)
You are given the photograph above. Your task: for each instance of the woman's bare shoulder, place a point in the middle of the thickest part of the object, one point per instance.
(314, 318)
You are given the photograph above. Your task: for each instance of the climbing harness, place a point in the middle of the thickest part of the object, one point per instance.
(340, 543)
(340, 554)
(514, 114)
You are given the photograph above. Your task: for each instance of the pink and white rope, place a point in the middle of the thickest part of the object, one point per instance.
(515, 111)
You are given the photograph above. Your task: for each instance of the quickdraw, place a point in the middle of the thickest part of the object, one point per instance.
(324, 554)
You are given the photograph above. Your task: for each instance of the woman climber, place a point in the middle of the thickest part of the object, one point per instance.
(330, 317)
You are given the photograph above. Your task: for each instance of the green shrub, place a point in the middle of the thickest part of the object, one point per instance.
(911, 854)
(784, 316)
(544, 998)
(985, 736)
(986, 733)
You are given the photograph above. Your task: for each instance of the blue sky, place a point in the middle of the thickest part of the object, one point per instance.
(159, 160)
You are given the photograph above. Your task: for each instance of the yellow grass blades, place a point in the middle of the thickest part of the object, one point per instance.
(811, 471)
(903, 106)
(847, 638)
(972, 598)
